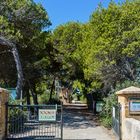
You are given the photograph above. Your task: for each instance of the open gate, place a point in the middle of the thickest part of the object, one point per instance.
(117, 120)
(34, 122)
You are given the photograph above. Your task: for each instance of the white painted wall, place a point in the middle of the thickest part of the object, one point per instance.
(132, 129)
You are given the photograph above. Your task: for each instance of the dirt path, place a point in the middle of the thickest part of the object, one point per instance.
(81, 126)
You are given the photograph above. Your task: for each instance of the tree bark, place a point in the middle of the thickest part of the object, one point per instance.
(28, 97)
(33, 93)
(27, 93)
(19, 71)
(19, 86)
(35, 96)
(52, 88)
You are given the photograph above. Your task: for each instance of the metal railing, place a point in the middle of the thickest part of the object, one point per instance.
(34, 122)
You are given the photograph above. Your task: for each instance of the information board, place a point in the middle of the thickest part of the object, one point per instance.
(134, 105)
(47, 115)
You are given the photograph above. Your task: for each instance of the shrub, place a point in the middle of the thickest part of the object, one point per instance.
(106, 114)
(17, 118)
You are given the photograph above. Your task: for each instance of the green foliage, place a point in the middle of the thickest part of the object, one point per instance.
(44, 98)
(113, 44)
(66, 39)
(111, 100)
(15, 114)
(95, 57)
(7, 29)
(106, 114)
(103, 52)
(79, 85)
(83, 99)
(43, 93)
(22, 22)
(106, 121)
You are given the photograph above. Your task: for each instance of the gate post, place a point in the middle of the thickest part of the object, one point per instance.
(3, 101)
(124, 98)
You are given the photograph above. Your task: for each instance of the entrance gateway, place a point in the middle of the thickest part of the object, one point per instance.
(34, 122)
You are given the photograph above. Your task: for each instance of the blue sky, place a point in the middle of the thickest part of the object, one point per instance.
(62, 11)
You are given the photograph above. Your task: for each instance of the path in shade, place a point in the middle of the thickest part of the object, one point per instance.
(79, 125)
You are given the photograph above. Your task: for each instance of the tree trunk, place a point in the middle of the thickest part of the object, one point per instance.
(52, 88)
(27, 93)
(28, 97)
(35, 96)
(19, 71)
(33, 92)
(12, 46)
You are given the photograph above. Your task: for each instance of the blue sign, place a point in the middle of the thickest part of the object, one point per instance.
(12, 93)
(134, 106)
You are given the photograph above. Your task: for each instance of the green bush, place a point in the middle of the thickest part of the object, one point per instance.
(106, 114)
(106, 121)
(17, 118)
(83, 99)
(43, 98)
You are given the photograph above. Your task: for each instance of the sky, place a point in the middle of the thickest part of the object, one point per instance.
(63, 11)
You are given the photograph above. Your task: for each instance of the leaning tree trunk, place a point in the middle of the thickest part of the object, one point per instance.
(19, 71)
(12, 46)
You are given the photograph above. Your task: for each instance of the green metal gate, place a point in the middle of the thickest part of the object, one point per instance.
(34, 122)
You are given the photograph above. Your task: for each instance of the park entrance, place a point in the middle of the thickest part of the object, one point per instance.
(34, 122)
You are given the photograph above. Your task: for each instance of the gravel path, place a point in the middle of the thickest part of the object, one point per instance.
(78, 126)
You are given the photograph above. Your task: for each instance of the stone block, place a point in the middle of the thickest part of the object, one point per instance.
(3, 100)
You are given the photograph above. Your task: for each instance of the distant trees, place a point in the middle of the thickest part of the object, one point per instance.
(114, 49)
(95, 56)
(104, 51)
(21, 24)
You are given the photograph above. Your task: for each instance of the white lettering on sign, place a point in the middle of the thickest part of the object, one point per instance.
(47, 115)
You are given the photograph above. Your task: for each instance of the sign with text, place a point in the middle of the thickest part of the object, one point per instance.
(47, 115)
(134, 105)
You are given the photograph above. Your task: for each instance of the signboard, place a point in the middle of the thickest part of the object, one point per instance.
(47, 114)
(134, 105)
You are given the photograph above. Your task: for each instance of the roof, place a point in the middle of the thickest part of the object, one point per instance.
(129, 90)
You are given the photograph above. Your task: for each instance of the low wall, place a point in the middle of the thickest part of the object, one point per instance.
(132, 129)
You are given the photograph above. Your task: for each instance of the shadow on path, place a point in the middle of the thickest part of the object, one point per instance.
(80, 124)
(77, 119)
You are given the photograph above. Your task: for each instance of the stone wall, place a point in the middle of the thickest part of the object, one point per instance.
(3, 100)
(132, 129)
